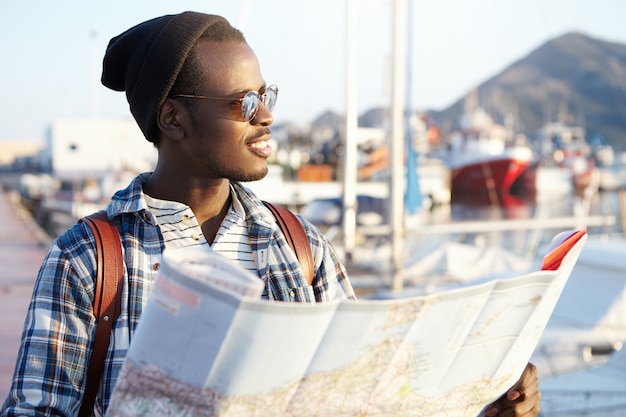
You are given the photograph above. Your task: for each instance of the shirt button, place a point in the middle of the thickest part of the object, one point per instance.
(185, 217)
(147, 217)
(156, 266)
(292, 294)
(195, 237)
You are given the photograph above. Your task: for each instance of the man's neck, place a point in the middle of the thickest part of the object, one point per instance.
(208, 199)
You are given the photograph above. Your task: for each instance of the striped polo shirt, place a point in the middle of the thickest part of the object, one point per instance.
(180, 228)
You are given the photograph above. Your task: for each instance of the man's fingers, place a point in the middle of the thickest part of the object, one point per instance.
(522, 400)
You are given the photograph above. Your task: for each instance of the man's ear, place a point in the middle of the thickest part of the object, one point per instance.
(169, 119)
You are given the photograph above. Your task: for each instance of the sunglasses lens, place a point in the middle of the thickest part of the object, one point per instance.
(250, 105)
(269, 97)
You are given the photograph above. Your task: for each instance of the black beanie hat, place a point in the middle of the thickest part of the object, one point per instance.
(145, 60)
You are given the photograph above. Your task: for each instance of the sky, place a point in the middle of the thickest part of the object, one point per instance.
(52, 50)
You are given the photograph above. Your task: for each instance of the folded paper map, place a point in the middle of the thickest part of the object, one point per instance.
(207, 345)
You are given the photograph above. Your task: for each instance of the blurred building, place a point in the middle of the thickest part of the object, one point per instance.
(97, 146)
(21, 155)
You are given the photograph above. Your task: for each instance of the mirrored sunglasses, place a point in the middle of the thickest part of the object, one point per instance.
(249, 102)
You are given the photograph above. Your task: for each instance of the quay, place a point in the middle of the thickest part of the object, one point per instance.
(23, 246)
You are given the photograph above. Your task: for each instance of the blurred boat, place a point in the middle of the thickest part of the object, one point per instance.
(433, 183)
(487, 159)
(492, 175)
(564, 148)
(56, 202)
(589, 321)
(613, 176)
(597, 392)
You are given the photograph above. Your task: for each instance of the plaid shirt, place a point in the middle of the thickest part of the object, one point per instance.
(60, 327)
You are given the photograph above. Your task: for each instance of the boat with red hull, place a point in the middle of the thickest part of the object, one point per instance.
(488, 161)
(494, 177)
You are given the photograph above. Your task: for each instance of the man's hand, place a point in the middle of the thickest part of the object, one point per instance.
(522, 400)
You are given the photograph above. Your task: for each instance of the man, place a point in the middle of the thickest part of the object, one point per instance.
(195, 88)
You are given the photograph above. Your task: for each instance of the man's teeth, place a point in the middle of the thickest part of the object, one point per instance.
(261, 144)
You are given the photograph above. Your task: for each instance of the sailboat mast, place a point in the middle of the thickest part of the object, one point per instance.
(350, 152)
(398, 116)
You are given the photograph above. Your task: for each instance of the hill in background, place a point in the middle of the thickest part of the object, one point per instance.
(573, 78)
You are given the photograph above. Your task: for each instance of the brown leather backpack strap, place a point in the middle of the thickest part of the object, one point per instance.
(107, 300)
(296, 238)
